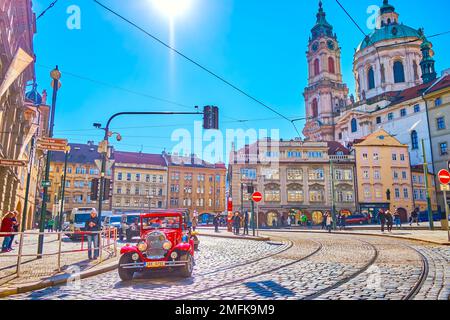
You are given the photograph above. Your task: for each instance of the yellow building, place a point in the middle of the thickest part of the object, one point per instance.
(384, 175)
(420, 190)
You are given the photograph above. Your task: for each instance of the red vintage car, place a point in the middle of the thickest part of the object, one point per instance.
(165, 244)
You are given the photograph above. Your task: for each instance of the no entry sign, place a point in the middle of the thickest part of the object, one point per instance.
(257, 197)
(444, 177)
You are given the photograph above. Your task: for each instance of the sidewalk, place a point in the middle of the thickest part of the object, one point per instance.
(223, 233)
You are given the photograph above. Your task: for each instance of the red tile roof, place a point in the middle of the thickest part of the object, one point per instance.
(334, 147)
(139, 158)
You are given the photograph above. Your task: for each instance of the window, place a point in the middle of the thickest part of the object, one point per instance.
(395, 173)
(137, 192)
(271, 174)
(417, 108)
(316, 67)
(295, 196)
(405, 193)
(378, 120)
(397, 193)
(404, 175)
(315, 108)
(119, 176)
(403, 113)
(272, 196)
(376, 157)
(367, 194)
(378, 193)
(414, 140)
(440, 123)
(365, 156)
(354, 125)
(399, 72)
(119, 190)
(138, 177)
(128, 176)
(69, 170)
(366, 174)
(371, 79)
(315, 154)
(390, 116)
(331, 67)
(377, 175)
(438, 102)
(294, 154)
(394, 157)
(443, 148)
(402, 157)
(316, 174)
(295, 174)
(316, 196)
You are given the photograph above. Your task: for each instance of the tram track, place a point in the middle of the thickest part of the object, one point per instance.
(423, 275)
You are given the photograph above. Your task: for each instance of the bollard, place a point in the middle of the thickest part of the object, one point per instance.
(100, 244)
(59, 251)
(115, 242)
(19, 257)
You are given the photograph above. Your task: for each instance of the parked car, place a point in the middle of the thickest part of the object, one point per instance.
(357, 219)
(165, 244)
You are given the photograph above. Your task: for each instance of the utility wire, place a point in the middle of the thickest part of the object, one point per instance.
(196, 63)
(48, 8)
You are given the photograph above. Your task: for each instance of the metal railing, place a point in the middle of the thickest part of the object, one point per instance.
(107, 241)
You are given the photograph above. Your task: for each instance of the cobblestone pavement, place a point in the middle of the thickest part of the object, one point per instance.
(291, 267)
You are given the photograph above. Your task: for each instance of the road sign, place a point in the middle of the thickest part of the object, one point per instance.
(257, 197)
(51, 147)
(12, 163)
(444, 177)
(53, 141)
(445, 187)
(109, 164)
(46, 184)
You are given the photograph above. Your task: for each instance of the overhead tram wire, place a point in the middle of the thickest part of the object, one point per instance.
(48, 8)
(197, 64)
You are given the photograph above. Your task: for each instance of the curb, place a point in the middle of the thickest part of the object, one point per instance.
(57, 280)
(233, 237)
(366, 234)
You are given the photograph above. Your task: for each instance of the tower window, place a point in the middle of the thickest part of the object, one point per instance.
(371, 79)
(354, 125)
(414, 140)
(315, 108)
(331, 66)
(316, 67)
(399, 72)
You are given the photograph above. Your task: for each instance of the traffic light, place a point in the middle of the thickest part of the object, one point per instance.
(94, 189)
(211, 118)
(107, 189)
(250, 189)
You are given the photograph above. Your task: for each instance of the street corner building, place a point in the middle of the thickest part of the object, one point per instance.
(23, 112)
(397, 85)
(300, 178)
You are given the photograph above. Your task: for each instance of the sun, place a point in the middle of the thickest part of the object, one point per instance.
(172, 8)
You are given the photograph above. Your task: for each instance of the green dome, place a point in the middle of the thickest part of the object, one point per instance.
(390, 32)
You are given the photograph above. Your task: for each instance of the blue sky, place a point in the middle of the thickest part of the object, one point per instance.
(259, 45)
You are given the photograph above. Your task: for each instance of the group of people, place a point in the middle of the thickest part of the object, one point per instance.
(387, 219)
(240, 221)
(9, 226)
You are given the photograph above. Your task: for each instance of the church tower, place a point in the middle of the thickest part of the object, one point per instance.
(326, 94)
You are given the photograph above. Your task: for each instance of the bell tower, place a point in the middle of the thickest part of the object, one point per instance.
(326, 94)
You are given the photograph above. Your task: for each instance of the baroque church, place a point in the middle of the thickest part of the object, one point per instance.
(393, 68)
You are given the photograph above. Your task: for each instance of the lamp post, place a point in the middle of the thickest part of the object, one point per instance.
(27, 188)
(63, 188)
(425, 172)
(55, 74)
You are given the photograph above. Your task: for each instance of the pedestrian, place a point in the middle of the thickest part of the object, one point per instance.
(236, 223)
(397, 219)
(382, 219)
(304, 220)
(289, 221)
(324, 221)
(50, 224)
(342, 222)
(5, 231)
(389, 221)
(93, 227)
(414, 217)
(216, 222)
(246, 223)
(15, 228)
(329, 222)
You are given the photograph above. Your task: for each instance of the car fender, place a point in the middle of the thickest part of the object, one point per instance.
(184, 247)
(129, 249)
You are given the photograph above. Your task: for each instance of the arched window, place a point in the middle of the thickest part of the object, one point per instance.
(331, 67)
(371, 79)
(315, 108)
(354, 125)
(316, 67)
(414, 140)
(399, 72)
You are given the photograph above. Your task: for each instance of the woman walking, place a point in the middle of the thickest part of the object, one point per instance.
(5, 230)
(389, 221)
(382, 218)
(329, 222)
(397, 219)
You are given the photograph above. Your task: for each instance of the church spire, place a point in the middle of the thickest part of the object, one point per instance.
(322, 27)
(427, 64)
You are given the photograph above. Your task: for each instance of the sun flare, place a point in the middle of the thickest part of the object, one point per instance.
(172, 8)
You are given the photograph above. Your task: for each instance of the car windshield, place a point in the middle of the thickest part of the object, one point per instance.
(161, 222)
(132, 219)
(82, 217)
(116, 219)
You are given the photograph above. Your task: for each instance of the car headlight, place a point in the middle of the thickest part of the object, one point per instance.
(142, 246)
(174, 255)
(167, 245)
(135, 257)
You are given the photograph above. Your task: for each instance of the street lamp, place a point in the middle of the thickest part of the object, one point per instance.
(55, 74)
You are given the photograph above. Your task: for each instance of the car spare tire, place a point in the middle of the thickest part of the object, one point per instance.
(125, 274)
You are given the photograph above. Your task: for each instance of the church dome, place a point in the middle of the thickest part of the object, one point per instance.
(389, 32)
(34, 96)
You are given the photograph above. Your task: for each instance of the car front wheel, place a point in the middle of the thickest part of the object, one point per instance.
(186, 270)
(125, 274)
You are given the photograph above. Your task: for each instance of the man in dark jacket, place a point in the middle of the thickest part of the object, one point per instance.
(216, 222)
(237, 223)
(382, 218)
(93, 225)
(246, 223)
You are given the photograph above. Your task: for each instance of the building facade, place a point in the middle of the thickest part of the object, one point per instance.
(297, 181)
(81, 170)
(140, 182)
(22, 117)
(384, 175)
(420, 189)
(196, 185)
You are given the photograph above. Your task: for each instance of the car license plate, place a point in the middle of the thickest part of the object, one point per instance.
(155, 264)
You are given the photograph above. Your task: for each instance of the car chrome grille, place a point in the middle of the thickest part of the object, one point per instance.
(155, 241)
